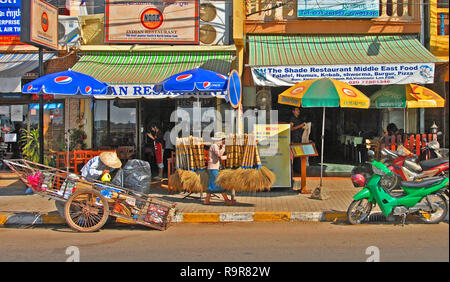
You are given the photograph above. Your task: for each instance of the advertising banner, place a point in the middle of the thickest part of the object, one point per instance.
(158, 21)
(374, 74)
(338, 9)
(39, 24)
(10, 22)
(273, 145)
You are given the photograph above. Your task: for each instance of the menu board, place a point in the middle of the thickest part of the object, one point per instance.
(273, 146)
(304, 150)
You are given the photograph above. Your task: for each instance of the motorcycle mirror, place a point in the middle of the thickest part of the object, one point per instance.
(370, 155)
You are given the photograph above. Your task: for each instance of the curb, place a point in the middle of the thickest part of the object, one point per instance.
(34, 218)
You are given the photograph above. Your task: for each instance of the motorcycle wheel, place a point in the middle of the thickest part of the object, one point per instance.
(438, 201)
(358, 211)
(389, 182)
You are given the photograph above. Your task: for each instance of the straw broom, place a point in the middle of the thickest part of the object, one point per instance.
(176, 179)
(202, 172)
(253, 178)
(225, 178)
(189, 179)
(239, 178)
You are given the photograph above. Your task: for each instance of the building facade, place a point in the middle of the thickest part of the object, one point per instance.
(366, 44)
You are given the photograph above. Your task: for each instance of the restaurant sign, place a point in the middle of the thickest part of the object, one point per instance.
(153, 21)
(39, 24)
(147, 91)
(374, 74)
(338, 9)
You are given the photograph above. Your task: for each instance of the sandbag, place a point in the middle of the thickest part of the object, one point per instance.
(136, 175)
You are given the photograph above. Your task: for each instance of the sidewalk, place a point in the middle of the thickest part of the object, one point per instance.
(279, 204)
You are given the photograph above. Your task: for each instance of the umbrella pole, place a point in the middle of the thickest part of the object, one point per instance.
(41, 110)
(404, 120)
(319, 192)
(321, 152)
(68, 134)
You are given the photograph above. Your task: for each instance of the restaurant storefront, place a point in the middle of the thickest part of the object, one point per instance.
(367, 62)
(20, 112)
(120, 121)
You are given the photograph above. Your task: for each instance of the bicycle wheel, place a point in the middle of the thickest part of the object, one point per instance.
(86, 210)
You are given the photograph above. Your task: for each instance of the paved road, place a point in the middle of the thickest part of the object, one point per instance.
(246, 242)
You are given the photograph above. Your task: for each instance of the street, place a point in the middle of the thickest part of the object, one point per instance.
(232, 242)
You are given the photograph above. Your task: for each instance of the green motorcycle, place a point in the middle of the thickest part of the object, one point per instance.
(423, 198)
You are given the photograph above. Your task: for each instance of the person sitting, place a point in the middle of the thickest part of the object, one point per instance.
(100, 165)
(390, 132)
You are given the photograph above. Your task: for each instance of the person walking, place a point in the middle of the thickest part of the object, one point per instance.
(216, 154)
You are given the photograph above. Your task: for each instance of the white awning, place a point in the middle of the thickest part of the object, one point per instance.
(14, 66)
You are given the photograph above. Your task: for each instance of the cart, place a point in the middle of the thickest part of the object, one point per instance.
(88, 203)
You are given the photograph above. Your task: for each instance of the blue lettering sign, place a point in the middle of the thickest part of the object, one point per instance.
(10, 17)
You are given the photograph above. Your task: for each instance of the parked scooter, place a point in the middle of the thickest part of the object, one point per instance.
(406, 167)
(423, 198)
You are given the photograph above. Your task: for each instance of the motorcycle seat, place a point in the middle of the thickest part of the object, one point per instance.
(428, 164)
(424, 183)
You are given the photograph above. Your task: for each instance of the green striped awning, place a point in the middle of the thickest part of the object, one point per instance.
(149, 67)
(290, 50)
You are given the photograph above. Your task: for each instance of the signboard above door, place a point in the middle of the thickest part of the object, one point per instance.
(39, 24)
(154, 21)
(338, 9)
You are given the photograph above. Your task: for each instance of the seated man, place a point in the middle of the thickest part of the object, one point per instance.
(96, 167)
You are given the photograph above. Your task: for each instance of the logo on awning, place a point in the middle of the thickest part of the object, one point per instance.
(63, 79)
(184, 77)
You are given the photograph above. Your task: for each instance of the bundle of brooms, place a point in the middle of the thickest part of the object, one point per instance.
(244, 171)
(191, 175)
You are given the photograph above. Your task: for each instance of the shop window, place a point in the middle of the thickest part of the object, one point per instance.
(207, 104)
(114, 123)
(54, 139)
(442, 3)
(100, 123)
(123, 123)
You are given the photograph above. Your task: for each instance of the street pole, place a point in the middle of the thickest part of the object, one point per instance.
(41, 111)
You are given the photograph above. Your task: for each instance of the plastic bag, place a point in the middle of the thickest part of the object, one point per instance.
(136, 175)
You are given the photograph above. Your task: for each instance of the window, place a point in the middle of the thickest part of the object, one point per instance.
(114, 123)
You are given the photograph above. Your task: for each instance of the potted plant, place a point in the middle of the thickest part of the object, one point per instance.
(30, 144)
(77, 139)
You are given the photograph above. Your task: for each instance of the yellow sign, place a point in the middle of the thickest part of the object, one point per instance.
(304, 150)
(273, 145)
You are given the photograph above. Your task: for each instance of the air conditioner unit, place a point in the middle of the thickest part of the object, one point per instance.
(215, 22)
(68, 31)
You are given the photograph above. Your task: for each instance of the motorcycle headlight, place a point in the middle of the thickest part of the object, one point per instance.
(378, 171)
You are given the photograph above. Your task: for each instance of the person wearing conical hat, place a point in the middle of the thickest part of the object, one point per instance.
(216, 154)
(96, 167)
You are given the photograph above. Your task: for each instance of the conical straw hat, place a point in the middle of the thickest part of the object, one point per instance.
(110, 159)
